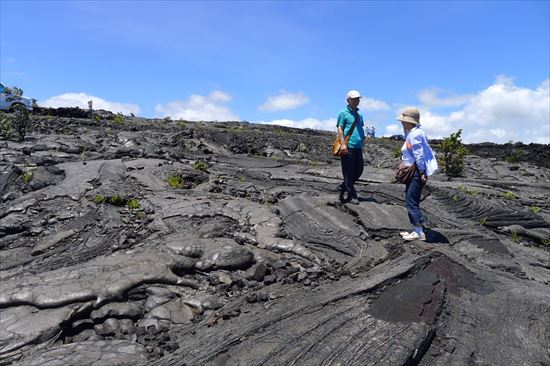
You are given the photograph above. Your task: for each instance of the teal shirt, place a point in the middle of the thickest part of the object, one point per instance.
(345, 120)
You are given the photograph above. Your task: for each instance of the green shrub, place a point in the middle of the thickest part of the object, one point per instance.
(455, 198)
(116, 200)
(515, 156)
(15, 127)
(119, 119)
(99, 198)
(453, 154)
(175, 181)
(515, 237)
(510, 195)
(97, 118)
(483, 221)
(535, 209)
(280, 132)
(21, 118)
(200, 165)
(6, 127)
(27, 176)
(133, 204)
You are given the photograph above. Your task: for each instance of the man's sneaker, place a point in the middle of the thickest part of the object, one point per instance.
(354, 201)
(404, 233)
(415, 236)
(341, 197)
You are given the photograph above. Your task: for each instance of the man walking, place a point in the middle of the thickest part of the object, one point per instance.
(350, 123)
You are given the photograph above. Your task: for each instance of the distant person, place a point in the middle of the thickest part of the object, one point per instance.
(350, 121)
(373, 132)
(415, 150)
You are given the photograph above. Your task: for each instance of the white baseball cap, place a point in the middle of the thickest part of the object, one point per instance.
(353, 94)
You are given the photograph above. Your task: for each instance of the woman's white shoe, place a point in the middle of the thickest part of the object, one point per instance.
(415, 236)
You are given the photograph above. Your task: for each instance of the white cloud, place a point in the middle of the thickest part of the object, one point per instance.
(199, 108)
(500, 113)
(284, 101)
(430, 98)
(394, 129)
(219, 96)
(81, 100)
(369, 104)
(313, 123)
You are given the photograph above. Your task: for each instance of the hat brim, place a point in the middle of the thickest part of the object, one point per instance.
(407, 119)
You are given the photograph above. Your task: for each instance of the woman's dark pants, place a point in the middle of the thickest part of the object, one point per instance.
(352, 168)
(413, 192)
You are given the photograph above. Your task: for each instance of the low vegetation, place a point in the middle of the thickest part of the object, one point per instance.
(118, 119)
(16, 125)
(116, 200)
(99, 199)
(27, 176)
(133, 204)
(454, 153)
(509, 195)
(200, 165)
(515, 156)
(175, 181)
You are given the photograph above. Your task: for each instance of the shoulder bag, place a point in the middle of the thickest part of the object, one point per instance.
(404, 173)
(336, 146)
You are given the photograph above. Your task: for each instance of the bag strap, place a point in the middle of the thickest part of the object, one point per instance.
(355, 118)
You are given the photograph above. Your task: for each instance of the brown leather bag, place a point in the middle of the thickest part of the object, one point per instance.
(404, 173)
(336, 145)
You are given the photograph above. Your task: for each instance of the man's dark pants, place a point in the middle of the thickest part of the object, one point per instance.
(352, 168)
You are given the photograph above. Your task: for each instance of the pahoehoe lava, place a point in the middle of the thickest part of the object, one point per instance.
(150, 242)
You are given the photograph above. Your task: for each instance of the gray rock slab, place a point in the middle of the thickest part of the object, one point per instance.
(93, 353)
(176, 311)
(12, 257)
(202, 302)
(118, 310)
(24, 326)
(325, 229)
(52, 241)
(98, 280)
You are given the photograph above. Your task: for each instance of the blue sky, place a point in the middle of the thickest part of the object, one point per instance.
(482, 66)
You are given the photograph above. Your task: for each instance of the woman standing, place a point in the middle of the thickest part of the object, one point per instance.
(415, 151)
